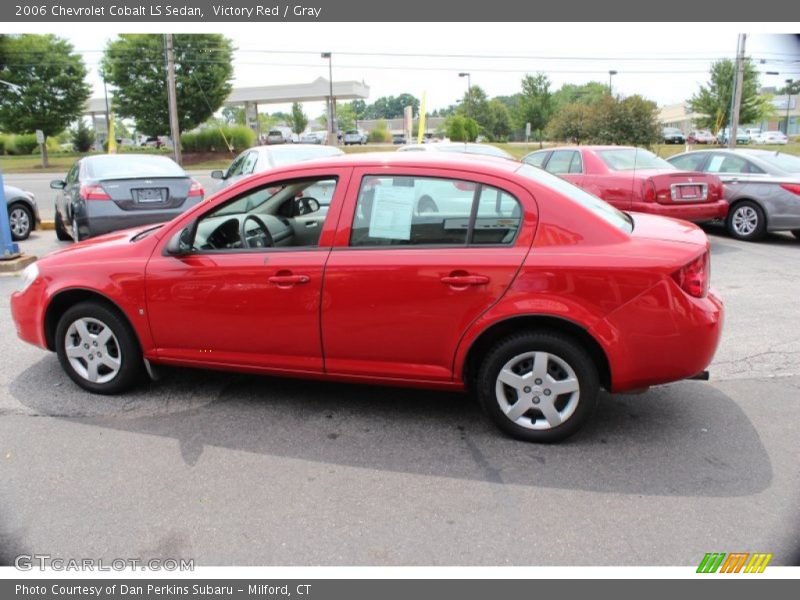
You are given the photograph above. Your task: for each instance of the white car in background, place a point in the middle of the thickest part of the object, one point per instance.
(353, 136)
(771, 137)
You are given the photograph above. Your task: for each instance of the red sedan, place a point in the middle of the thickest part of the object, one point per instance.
(633, 179)
(519, 287)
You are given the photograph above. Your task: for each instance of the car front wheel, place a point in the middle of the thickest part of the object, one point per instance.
(746, 221)
(20, 220)
(538, 386)
(98, 349)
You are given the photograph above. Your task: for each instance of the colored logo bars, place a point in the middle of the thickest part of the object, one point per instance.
(734, 562)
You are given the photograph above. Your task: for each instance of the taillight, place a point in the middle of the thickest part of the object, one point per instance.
(791, 187)
(693, 277)
(196, 190)
(93, 192)
(649, 190)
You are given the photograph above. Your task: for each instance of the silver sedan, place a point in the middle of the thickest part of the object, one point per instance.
(761, 186)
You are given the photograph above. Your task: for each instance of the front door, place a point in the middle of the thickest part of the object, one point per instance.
(248, 291)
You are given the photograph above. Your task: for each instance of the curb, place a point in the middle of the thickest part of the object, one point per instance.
(47, 225)
(16, 264)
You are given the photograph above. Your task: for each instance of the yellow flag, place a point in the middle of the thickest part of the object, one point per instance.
(112, 138)
(421, 134)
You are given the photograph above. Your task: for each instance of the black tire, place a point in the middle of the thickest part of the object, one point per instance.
(76, 231)
(746, 221)
(796, 233)
(61, 233)
(21, 221)
(576, 407)
(128, 352)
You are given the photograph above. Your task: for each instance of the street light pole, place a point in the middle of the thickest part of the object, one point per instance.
(610, 89)
(788, 103)
(172, 99)
(469, 93)
(331, 137)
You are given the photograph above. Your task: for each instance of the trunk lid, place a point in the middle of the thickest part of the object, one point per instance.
(151, 193)
(680, 187)
(653, 227)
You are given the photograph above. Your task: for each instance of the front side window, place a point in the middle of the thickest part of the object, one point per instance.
(423, 211)
(282, 215)
(630, 159)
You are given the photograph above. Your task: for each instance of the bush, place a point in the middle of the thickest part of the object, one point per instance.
(461, 129)
(380, 134)
(81, 137)
(21, 144)
(2, 145)
(212, 140)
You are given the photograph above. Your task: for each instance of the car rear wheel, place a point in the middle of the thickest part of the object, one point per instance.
(98, 349)
(538, 386)
(746, 221)
(20, 220)
(61, 232)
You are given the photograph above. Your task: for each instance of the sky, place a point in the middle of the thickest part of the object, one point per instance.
(663, 62)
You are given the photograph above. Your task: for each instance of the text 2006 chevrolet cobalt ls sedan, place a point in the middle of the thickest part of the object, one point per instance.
(526, 290)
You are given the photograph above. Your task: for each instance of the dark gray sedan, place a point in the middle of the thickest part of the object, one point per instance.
(761, 186)
(23, 213)
(108, 192)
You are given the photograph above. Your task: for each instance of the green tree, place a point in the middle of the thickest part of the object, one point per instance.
(572, 123)
(82, 137)
(713, 101)
(52, 92)
(460, 128)
(632, 121)
(345, 116)
(298, 119)
(587, 93)
(535, 104)
(234, 115)
(390, 107)
(134, 64)
(475, 105)
(499, 126)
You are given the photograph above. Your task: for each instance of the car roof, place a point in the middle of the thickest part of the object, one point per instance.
(490, 164)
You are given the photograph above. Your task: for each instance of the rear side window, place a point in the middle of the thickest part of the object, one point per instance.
(536, 159)
(721, 163)
(424, 211)
(564, 161)
(689, 162)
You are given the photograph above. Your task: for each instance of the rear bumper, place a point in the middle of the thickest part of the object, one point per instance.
(97, 217)
(707, 211)
(661, 349)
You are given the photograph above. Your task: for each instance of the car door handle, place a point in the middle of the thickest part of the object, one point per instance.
(286, 280)
(463, 280)
(310, 224)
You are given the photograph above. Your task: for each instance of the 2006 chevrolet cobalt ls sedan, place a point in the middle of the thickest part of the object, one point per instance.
(527, 290)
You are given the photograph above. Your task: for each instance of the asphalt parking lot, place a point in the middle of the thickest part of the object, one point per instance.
(233, 469)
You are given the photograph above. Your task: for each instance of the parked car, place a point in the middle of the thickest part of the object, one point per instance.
(741, 136)
(701, 136)
(398, 138)
(761, 186)
(752, 133)
(458, 148)
(450, 301)
(107, 192)
(672, 135)
(282, 135)
(635, 179)
(264, 158)
(314, 137)
(23, 213)
(353, 136)
(771, 137)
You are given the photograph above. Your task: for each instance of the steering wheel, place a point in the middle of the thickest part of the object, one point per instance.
(261, 239)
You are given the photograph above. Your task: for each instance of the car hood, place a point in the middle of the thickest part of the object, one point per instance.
(111, 247)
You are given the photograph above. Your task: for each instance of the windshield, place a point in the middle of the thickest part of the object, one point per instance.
(124, 166)
(600, 208)
(288, 155)
(629, 159)
(485, 150)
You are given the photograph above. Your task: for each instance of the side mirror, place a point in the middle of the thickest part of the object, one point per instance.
(218, 174)
(181, 242)
(58, 184)
(305, 206)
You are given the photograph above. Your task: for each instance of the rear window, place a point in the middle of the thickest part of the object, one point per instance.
(688, 162)
(601, 209)
(629, 159)
(289, 155)
(784, 162)
(123, 166)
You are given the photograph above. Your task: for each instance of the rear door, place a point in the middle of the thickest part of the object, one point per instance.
(401, 286)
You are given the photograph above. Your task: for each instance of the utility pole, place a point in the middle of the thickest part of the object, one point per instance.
(174, 129)
(332, 138)
(737, 90)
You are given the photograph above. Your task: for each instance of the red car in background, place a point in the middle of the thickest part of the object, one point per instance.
(521, 288)
(633, 179)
